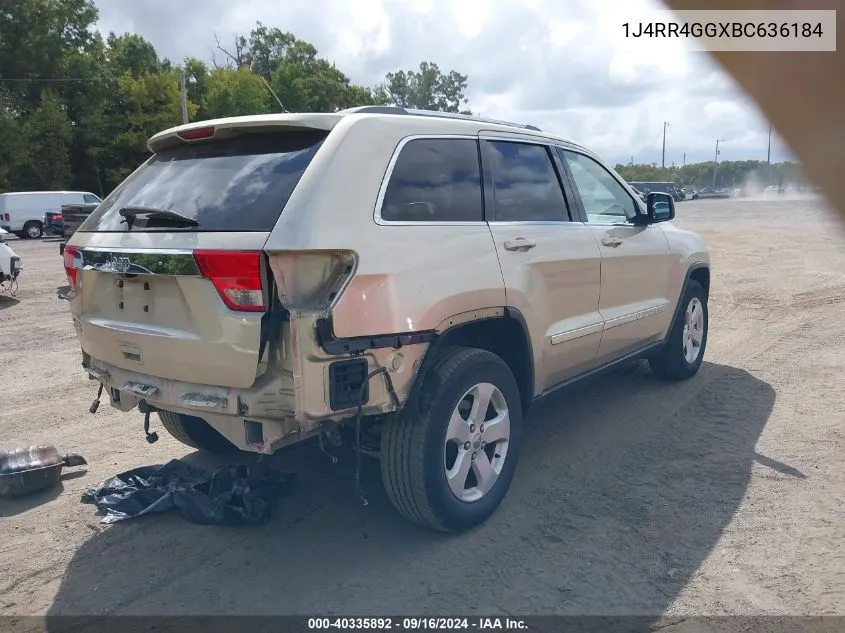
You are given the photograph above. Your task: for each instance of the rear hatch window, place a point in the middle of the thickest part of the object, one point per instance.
(238, 184)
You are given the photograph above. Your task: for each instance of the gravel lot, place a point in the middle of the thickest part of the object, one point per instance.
(721, 495)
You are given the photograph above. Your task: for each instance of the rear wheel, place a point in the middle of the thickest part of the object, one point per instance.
(447, 461)
(195, 432)
(33, 230)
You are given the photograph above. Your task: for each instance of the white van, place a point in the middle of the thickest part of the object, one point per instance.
(22, 212)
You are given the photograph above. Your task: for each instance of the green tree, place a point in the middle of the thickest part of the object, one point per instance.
(77, 109)
(750, 174)
(149, 104)
(48, 132)
(235, 93)
(197, 71)
(426, 89)
(13, 145)
(303, 81)
(38, 40)
(133, 54)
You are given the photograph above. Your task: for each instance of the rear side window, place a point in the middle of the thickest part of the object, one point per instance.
(525, 183)
(90, 199)
(435, 180)
(239, 184)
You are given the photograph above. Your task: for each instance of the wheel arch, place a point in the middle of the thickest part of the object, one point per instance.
(699, 272)
(506, 336)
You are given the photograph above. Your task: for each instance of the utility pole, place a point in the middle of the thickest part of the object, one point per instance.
(685, 160)
(184, 92)
(663, 161)
(769, 152)
(716, 161)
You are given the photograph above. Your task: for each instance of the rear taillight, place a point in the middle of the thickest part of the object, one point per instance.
(72, 264)
(236, 275)
(7, 217)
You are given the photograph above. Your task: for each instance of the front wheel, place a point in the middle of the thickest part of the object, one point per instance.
(448, 460)
(683, 351)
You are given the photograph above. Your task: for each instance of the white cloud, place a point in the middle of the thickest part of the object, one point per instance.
(564, 65)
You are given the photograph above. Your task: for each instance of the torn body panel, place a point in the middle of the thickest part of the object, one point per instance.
(290, 400)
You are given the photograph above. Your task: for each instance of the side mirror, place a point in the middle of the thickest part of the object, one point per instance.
(660, 207)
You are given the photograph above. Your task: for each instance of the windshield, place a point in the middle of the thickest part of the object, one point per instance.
(241, 184)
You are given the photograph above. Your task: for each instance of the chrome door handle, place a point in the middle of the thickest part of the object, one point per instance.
(519, 244)
(610, 240)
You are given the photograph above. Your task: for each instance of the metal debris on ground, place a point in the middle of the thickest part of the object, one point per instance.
(27, 470)
(229, 496)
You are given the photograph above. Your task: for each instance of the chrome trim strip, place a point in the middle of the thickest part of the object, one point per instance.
(142, 251)
(634, 316)
(536, 222)
(517, 137)
(136, 261)
(571, 335)
(389, 172)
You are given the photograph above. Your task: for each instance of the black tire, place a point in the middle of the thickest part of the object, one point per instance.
(413, 443)
(670, 363)
(33, 230)
(195, 432)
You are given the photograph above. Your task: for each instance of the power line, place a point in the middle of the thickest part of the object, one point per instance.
(47, 80)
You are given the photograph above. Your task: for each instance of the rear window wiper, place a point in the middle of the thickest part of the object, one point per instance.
(151, 213)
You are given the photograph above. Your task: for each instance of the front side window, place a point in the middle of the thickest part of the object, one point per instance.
(90, 199)
(604, 198)
(525, 183)
(435, 180)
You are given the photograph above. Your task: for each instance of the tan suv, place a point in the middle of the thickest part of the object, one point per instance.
(414, 280)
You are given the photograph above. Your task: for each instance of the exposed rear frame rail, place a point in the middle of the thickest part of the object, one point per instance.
(359, 344)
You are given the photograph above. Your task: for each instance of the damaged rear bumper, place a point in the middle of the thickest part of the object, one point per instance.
(308, 377)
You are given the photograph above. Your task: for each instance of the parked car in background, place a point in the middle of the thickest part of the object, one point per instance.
(220, 287)
(72, 217)
(689, 194)
(639, 193)
(709, 192)
(53, 222)
(23, 212)
(660, 187)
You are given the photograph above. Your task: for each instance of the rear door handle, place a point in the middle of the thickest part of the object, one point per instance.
(610, 240)
(519, 244)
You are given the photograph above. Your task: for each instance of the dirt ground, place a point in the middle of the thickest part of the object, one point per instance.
(721, 495)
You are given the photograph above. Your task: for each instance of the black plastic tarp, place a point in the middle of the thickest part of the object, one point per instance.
(229, 496)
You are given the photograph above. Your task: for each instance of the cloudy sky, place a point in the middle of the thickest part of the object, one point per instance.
(564, 65)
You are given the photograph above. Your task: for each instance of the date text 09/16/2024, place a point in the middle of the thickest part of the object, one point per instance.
(724, 29)
(416, 624)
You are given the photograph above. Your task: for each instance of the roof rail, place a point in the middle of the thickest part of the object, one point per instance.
(433, 113)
